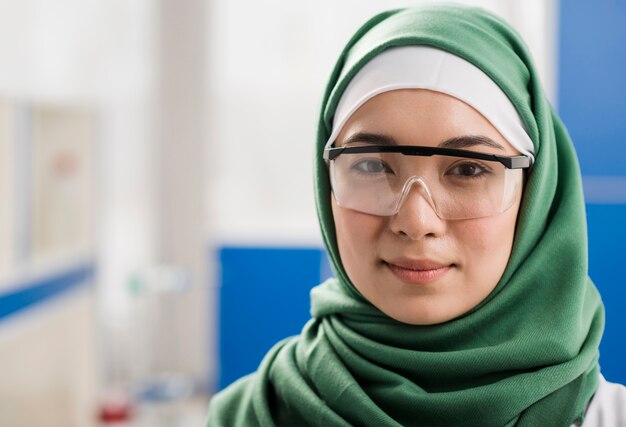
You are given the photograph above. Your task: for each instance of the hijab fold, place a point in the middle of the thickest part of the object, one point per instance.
(525, 356)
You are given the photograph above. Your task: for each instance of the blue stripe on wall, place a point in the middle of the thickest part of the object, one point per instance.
(38, 291)
(607, 190)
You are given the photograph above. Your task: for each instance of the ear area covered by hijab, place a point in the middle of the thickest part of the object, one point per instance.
(526, 356)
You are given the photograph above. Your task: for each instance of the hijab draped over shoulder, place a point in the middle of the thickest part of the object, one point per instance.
(526, 356)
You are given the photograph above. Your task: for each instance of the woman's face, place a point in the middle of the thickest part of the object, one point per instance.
(414, 266)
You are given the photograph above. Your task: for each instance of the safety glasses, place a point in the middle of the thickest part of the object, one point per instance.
(458, 184)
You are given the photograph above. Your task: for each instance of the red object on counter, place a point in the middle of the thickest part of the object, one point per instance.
(115, 411)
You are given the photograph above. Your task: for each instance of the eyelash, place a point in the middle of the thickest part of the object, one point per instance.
(480, 169)
(357, 168)
(483, 170)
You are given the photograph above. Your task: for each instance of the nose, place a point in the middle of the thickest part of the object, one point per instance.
(416, 216)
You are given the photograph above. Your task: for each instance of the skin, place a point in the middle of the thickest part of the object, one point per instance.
(375, 250)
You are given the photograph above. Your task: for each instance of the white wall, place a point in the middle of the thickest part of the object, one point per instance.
(97, 56)
(120, 60)
(48, 365)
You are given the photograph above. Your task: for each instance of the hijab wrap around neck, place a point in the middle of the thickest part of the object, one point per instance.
(525, 356)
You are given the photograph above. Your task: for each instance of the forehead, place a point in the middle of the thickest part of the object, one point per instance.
(420, 117)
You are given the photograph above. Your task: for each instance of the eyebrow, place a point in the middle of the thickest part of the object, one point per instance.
(464, 141)
(370, 138)
(470, 141)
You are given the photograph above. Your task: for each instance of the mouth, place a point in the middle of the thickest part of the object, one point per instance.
(417, 272)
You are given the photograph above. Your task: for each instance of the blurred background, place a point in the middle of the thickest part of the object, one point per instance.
(154, 243)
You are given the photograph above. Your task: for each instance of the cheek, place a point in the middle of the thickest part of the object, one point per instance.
(358, 236)
(486, 246)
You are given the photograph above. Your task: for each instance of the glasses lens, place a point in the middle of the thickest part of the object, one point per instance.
(456, 187)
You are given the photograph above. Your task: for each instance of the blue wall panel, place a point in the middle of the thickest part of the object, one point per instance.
(264, 297)
(592, 86)
(592, 103)
(607, 255)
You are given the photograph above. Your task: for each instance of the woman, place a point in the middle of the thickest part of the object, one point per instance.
(450, 202)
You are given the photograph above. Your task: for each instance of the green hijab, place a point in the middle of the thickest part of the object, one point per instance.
(526, 356)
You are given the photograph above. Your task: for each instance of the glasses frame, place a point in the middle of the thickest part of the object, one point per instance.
(510, 162)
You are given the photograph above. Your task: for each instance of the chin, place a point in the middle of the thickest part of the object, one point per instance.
(422, 320)
(414, 316)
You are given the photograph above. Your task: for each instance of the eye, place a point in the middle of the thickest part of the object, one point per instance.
(468, 170)
(371, 166)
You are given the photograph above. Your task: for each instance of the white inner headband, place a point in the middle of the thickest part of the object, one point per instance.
(425, 67)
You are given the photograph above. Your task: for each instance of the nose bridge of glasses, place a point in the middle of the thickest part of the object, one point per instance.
(422, 189)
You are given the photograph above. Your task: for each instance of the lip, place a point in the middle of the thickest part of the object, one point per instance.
(417, 271)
